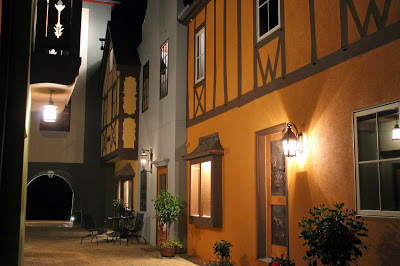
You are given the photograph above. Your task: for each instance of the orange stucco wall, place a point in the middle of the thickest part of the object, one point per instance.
(321, 105)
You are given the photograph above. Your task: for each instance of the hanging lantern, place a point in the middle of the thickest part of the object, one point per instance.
(396, 132)
(50, 111)
(291, 142)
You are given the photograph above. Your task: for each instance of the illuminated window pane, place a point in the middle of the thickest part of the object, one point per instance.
(119, 190)
(194, 189)
(126, 193)
(206, 189)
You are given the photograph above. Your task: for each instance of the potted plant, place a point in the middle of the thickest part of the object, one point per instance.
(223, 251)
(333, 235)
(168, 210)
(119, 207)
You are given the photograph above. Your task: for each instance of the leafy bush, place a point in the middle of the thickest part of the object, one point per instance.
(280, 261)
(168, 209)
(333, 235)
(223, 251)
(119, 206)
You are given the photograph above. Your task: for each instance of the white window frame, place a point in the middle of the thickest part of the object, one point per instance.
(356, 114)
(259, 38)
(197, 56)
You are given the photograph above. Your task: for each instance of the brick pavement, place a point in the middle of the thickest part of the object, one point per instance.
(55, 243)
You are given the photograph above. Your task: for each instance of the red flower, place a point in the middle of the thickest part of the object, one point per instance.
(276, 263)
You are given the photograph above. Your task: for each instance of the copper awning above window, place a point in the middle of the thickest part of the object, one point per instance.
(208, 145)
(126, 172)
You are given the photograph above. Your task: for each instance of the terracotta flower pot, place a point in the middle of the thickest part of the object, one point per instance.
(168, 251)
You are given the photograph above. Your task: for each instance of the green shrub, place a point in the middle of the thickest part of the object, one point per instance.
(333, 235)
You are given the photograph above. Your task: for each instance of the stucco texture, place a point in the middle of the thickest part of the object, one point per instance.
(321, 106)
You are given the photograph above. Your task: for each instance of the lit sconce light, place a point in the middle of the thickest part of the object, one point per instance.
(72, 219)
(145, 159)
(50, 111)
(396, 131)
(292, 143)
(50, 174)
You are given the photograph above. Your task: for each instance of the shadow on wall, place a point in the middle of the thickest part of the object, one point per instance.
(388, 247)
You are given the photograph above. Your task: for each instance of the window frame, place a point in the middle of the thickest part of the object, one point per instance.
(166, 43)
(215, 220)
(111, 60)
(269, 32)
(105, 109)
(120, 191)
(356, 114)
(146, 69)
(197, 57)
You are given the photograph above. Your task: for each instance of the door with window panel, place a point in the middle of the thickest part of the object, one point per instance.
(377, 157)
(161, 186)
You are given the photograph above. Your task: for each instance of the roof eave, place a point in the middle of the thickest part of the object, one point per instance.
(189, 12)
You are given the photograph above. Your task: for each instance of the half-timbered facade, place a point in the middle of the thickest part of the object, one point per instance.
(253, 66)
(120, 115)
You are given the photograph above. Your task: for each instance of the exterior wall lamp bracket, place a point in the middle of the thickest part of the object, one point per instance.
(292, 143)
(146, 157)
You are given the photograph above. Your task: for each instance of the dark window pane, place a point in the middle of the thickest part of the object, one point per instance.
(390, 185)
(263, 23)
(366, 126)
(369, 186)
(388, 148)
(261, 2)
(273, 13)
(143, 191)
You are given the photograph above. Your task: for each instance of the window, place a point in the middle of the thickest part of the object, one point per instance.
(111, 60)
(124, 192)
(114, 102)
(164, 70)
(205, 206)
(268, 17)
(200, 55)
(105, 109)
(377, 161)
(143, 191)
(145, 94)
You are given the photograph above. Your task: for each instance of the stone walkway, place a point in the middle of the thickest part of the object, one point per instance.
(56, 243)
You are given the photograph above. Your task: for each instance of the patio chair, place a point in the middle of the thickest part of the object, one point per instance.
(91, 228)
(135, 232)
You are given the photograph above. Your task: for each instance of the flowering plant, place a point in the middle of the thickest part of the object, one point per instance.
(218, 262)
(119, 206)
(223, 251)
(171, 243)
(280, 261)
(333, 235)
(168, 209)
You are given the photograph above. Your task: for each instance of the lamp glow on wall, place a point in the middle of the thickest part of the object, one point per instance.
(396, 131)
(292, 143)
(50, 111)
(146, 157)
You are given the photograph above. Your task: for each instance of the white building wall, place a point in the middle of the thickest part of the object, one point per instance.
(163, 126)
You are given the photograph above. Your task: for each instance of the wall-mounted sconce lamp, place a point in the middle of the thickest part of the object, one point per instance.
(396, 131)
(291, 142)
(103, 40)
(50, 111)
(50, 174)
(145, 158)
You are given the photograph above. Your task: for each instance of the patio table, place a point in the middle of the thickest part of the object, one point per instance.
(121, 225)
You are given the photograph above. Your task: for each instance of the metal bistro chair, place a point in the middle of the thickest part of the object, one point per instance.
(135, 232)
(92, 229)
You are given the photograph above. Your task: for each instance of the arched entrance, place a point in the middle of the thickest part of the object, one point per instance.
(49, 198)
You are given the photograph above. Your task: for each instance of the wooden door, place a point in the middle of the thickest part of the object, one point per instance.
(276, 188)
(162, 179)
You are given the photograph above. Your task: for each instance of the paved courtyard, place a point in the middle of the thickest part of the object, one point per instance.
(56, 243)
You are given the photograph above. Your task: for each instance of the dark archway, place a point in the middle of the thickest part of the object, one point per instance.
(49, 199)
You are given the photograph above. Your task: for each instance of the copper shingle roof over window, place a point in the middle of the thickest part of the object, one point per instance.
(125, 172)
(208, 145)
